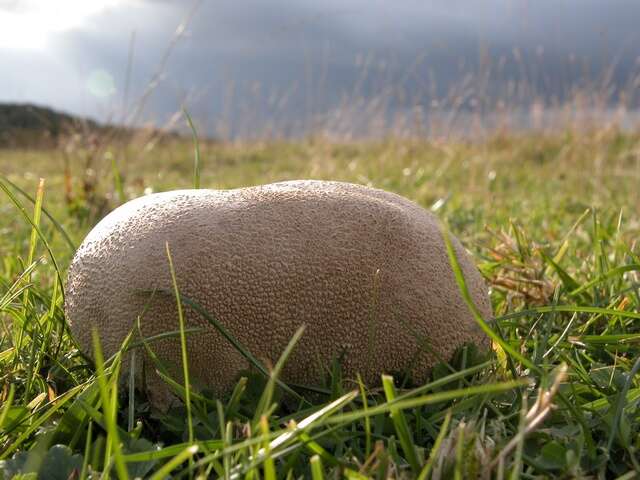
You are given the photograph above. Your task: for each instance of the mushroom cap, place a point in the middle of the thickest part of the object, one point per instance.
(365, 270)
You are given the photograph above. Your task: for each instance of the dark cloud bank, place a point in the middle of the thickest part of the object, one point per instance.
(244, 67)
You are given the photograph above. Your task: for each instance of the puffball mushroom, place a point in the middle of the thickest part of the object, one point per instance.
(365, 270)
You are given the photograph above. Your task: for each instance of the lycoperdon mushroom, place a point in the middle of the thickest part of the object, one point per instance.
(365, 270)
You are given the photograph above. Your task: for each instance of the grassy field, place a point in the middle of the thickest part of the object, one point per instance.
(553, 223)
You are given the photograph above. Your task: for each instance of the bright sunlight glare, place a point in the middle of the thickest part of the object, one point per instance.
(30, 24)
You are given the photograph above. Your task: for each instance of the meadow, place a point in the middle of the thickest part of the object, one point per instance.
(551, 219)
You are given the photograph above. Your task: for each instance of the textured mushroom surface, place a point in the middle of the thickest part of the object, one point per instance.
(264, 260)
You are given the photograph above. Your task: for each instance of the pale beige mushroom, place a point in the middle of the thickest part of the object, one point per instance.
(365, 270)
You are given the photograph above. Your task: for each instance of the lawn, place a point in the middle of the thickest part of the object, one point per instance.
(553, 223)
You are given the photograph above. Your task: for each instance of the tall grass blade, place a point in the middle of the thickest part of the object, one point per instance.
(196, 150)
(429, 400)
(464, 290)
(517, 462)
(614, 272)
(108, 389)
(87, 452)
(51, 218)
(132, 391)
(622, 399)
(33, 243)
(183, 345)
(267, 394)
(226, 459)
(117, 180)
(237, 344)
(435, 450)
(367, 420)
(269, 465)
(569, 309)
(401, 425)
(41, 236)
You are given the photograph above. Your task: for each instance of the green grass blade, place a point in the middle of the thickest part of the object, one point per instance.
(33, 243)
(316, 449)
(171, 451)
(426, 470)
(622, 399)
(7, 405)
(351, 474)
(183, 345)
(564, 247)
(269, 465)
(162, 336)
(462, 285)
(569, 282)
(18, 287)
(43, 239)
(52, 219)
(367, 420)
(226, 441)
(237, 344)
(267, 395)
(316, 468)
(284, 439)
(87, 452)
(108, 390)
(196, 150)
(614, 272)
(429, 400)
(176, 461)
(401, 425)
(117, 180)
(569, 309)
(132, 387)
(38, 418)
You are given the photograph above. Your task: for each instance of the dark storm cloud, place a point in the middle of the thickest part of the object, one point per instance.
(255, 61)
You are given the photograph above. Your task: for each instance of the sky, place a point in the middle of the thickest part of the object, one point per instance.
(243, 66)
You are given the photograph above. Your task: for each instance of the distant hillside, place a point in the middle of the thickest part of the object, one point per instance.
(31, 125)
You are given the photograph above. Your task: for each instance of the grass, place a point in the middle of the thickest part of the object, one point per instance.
(552, 222)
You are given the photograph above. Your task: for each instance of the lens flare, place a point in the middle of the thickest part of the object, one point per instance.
(100, 84)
